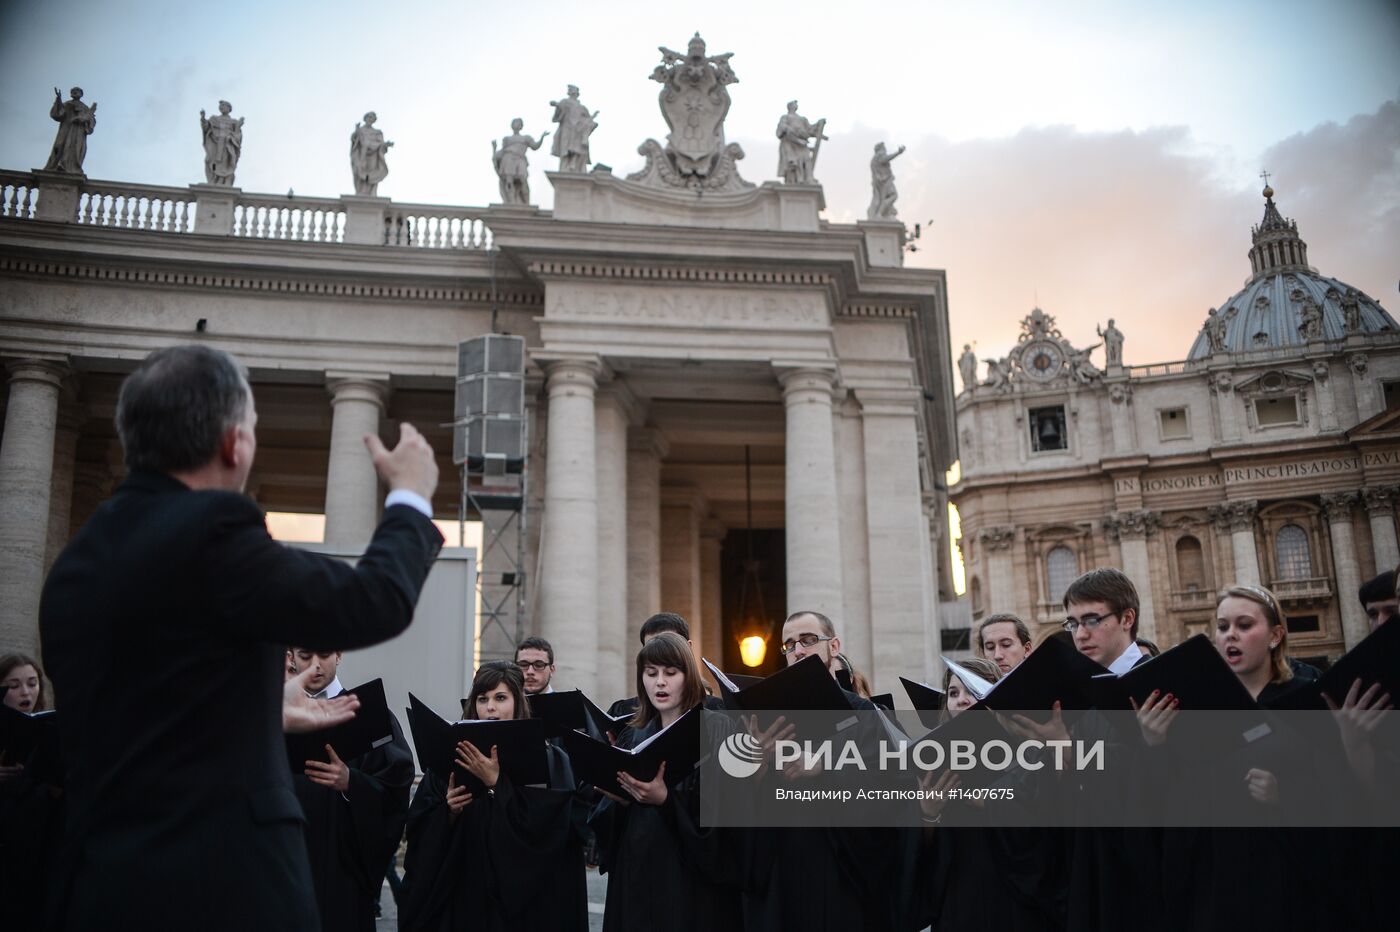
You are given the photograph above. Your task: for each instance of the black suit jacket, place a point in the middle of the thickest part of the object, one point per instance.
(164, 623)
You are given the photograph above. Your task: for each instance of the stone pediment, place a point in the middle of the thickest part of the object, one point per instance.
(1386, 424)
(1275, 381)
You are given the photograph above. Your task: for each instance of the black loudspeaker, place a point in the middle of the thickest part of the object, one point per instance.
(489, 407)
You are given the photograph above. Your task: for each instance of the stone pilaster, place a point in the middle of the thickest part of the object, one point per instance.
(1380, 506)
(613, 409)
(1338, 507)
(352, 486)
(1240, 517)
(646, 448)
(812, 525)
(568, 566)
(709, 640)
(999, 588)
(26, 484)
(682, 508)
(1133, 529)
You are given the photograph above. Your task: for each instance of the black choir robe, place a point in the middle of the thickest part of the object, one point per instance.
(350, 838)
(511, 861)
(664, 870)
(31, 837)
(824, 879)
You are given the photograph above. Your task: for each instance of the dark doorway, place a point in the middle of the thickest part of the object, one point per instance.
(770, 556)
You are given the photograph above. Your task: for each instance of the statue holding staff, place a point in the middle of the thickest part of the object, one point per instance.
(367, 151)
(223, 144)
(797, 162)
(576, 124)
(76, 121)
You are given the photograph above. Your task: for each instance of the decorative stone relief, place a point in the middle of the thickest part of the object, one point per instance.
(694, 100)
(1380, 500)
(1137, 524)
(1222, 383)
(1120, 393)
(1238, 516)
(1359, 363)
(223, 144)
(1321, 370)
(997, 538)
(1338, 505)
(999, 374)
(1309, 319)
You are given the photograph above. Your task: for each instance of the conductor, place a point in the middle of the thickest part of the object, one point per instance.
(164, 625)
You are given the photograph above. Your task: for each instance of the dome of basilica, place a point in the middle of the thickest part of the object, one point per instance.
(1286, 303)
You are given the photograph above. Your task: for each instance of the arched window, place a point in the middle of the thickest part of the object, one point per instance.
(1061, 566)
(1190, 564)
(1294, 556)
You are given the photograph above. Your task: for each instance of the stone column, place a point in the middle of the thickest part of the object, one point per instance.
(1241, 517)
(1133, 529)
(65, 452)
(1338, 507)
(646, 448)
(612, 411)
(92, 485)
(568, 570)
(26, 480)
(900, 562)
(999, 588)
(709, 640)
(855, 538)
(352, 486)
(1380, 505)
(812, 528)
(681, 510)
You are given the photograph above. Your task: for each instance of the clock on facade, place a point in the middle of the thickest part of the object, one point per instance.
(1042, 360)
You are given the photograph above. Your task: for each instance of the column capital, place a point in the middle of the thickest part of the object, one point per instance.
(648, 440)
(1379, 499)
(1234, 516)
(358, 386)
(570, 373)
(48, 371)
(806, 381)
(1136, 524)
(617, 392)
(997, 538)
(1338, 505)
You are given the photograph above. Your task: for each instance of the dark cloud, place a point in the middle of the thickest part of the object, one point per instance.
(1137, 226)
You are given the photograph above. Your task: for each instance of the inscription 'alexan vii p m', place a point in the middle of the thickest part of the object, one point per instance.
(694, 308)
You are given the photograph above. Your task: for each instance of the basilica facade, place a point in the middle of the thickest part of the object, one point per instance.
(1270, 455)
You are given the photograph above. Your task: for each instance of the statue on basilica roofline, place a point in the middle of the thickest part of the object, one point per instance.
(223, 144)
(882, 193)
(967, 365)
(1112, 344)
(1080, 367)
(76, 121)
(1351, 310)
(797, 161)
(1216, 326)
(512, 163)
(999, 374)
(576, 125)
(367, 151)
(1310, 320)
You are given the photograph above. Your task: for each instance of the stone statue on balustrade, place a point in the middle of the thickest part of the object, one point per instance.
(967, 365)
(694, 100)
(797, 161)
(882, 190)
(223, 144)
(367, 151)
(76, 121)
(512, 162)
(1112, 344)
(576, 125)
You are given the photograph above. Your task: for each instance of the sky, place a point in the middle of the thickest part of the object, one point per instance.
(1099, 159)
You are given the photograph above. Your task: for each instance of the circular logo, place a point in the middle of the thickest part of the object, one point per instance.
(740, 756)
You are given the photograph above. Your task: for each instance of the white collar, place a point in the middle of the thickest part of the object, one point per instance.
(333, 689)
(1125, 660)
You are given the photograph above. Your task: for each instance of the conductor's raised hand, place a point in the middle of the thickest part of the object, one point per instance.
(409, 465)
(301, 713)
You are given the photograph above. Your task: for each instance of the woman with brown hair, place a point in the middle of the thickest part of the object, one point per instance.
(663, 869)
(509, 859)
(31, 810)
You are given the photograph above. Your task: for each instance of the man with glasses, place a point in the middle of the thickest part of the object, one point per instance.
(1101, 614)
(810, 633)
(535, 657)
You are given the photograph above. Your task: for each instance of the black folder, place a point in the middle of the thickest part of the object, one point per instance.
(573, 711)
(806, 686)
(598, 762)
(519, 743)
(975, 724)
(369, 729)
(884, 701)
(1192, 671)
(923, 696)
(31, 739)
(1375, 660)
(1053, 671)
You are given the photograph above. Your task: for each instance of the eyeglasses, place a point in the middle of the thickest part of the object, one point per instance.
(808, 641)
(539, 666)
(1088, 621)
